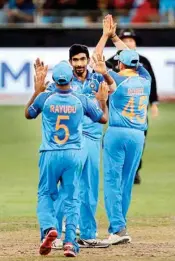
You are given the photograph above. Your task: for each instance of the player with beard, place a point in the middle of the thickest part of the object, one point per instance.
(86, 83)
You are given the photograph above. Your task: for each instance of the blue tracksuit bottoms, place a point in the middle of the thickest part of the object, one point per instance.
(63, 166)
(122, 152)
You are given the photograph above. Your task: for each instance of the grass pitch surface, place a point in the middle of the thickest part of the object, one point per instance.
(151, 220)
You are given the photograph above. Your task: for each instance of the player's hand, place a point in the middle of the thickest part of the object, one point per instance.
(41, 71)
(102, 94)
(39, 80)
(40, 67)
(109, 27)
(154, 110)
(113, 27)
(98, 64)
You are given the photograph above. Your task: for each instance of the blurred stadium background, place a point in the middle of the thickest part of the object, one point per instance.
(46, 29)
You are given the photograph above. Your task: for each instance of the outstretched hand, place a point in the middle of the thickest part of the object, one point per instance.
(41, 71)
(109, 27)
(98, 63)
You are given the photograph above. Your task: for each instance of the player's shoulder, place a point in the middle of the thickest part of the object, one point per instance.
(79, 96)
(117, 77)
(96, 76)
(85, 101)
(51, 87)
(146, 82)
(42, 98)
(112, 72)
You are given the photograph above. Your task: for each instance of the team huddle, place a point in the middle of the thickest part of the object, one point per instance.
(74, 109)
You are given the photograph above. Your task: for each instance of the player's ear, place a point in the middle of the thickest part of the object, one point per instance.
(88, 60)
(70, 61)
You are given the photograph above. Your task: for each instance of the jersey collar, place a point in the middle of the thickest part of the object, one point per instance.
(63, 91)
(88, 76)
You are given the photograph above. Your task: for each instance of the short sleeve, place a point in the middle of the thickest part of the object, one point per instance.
(100, 77)
(143, 72)
(116, 77)
(36, 107)
(51, 87)
(91, 109)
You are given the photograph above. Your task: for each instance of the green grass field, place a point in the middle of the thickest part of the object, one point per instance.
(153, 203)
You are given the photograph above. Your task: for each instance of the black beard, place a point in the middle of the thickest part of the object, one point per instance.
(79, 73)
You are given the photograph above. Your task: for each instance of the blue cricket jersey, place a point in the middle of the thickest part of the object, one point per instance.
(128, 104)
(62, 118)
(91, 83)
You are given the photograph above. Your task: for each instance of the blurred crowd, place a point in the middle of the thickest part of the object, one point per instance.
(82, 12)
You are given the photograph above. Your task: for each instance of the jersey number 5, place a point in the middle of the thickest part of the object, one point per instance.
(129, 109)
(62, 126)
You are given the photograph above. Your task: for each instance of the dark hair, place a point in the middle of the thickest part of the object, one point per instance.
(126, 66)
(76, 49)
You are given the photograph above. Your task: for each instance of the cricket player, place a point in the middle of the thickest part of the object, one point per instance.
(122, 154)
(60, 152)
(129, 37)
(124, 138)
(86, 83)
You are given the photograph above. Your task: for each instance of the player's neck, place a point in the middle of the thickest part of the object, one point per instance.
(82, 77)
(128, 72)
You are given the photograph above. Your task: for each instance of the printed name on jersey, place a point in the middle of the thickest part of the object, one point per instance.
(138, 91)
(63, 109)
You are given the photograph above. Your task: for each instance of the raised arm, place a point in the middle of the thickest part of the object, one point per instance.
(107, 32)
(39, 87)
(119, 44)
(143, 72)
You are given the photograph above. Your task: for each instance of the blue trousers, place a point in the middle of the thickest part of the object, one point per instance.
(89, 186)
(122, 152)
(64, 166)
